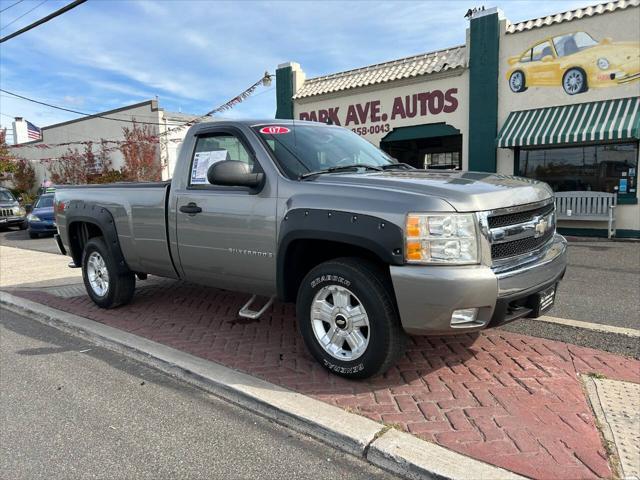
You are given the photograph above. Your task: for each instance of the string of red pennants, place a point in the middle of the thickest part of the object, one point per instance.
(265, 80)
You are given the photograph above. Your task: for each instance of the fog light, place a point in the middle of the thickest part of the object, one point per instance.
(463, 317)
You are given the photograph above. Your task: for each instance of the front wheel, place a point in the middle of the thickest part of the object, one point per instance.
(348, 319)
(107, 287)
(574, 81)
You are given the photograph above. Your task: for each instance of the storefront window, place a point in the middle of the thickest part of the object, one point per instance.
(604, 168)
(442, 161)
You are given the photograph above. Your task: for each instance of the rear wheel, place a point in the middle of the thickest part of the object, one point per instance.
(348, 319)
(517, 82)
(104, 284)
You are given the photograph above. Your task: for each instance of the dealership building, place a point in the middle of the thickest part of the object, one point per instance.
(554, 98)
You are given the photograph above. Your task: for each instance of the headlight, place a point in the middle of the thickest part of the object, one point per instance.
(441, 238)
(20, 211)
(33, 218)
(603, 63)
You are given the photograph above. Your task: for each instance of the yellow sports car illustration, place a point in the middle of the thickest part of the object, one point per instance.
(577, 62)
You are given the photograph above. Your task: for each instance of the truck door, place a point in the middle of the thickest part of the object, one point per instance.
(226, 235)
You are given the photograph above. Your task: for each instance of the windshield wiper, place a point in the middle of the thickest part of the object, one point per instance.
(339, 168)
(398, 166)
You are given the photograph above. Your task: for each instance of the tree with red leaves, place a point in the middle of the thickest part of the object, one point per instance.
(74, 167)
(7, 162)
(141, 153)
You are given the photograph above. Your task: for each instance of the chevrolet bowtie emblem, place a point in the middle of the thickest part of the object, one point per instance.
(541, 225)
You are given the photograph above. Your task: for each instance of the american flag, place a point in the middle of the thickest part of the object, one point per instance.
(33, 132)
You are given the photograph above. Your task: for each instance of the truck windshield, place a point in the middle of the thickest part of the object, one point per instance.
(302, 149)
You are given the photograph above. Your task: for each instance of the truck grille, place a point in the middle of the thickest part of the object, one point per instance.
(6, 212)
(519, 217)
(518, 247)
(516, 233)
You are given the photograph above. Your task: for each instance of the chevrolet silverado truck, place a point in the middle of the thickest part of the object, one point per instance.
(369, 249)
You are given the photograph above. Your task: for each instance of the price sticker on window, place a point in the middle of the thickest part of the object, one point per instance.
(274, 130)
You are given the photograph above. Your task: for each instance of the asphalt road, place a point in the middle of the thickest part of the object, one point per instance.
(20, 239)
(602, 283)
(70, 409)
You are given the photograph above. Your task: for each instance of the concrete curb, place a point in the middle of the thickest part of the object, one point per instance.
(386, 448)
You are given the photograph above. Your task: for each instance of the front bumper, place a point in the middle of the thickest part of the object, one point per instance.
(427, 295)
(43, 227)
(12, 221)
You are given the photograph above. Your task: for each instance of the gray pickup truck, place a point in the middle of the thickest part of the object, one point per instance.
(369, 249)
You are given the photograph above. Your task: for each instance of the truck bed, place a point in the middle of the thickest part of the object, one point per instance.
(139, 213)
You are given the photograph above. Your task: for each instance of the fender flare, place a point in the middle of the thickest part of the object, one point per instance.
(381, 237)
(94, 214)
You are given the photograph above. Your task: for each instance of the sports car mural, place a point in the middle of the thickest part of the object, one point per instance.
(577, 62)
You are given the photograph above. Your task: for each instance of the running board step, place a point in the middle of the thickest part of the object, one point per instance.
(246, 312)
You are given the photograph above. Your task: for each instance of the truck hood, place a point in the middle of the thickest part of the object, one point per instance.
(8, 204)
(465, 191)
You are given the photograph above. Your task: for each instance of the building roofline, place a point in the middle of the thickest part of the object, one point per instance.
(381, 65)
(569, 15)
(152, 103)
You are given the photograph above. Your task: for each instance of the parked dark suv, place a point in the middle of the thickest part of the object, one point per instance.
(12, 214)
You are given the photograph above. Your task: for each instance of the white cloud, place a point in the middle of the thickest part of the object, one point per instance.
(197, 54)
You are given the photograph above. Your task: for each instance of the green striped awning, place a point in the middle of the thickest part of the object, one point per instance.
(582, 122)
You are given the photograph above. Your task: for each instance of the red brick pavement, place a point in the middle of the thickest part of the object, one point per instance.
(510, 400)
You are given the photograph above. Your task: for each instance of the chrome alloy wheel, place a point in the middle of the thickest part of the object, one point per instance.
(340, 323)
(573, 81)
(98, 274)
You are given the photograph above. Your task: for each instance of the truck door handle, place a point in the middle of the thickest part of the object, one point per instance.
(191, 208)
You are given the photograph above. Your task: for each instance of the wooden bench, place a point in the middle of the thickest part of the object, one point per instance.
(587, 206)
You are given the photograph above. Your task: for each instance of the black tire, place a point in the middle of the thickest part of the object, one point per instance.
(372, 290)
(579, 84)
(33, 235)
(517, 81)
(120, 286)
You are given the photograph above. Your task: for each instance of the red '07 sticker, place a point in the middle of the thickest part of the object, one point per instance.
(274, 130)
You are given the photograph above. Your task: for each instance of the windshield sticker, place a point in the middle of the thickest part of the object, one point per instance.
(274, 130)
(201, 163)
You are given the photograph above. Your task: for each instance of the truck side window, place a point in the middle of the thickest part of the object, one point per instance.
(215, 148)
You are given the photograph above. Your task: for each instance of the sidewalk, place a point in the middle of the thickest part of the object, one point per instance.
(511, 400)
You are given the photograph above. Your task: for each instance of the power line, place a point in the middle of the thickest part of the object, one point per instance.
(265, 81)
(24, 14)
(94, 115)
(42, 20)
(12, 5)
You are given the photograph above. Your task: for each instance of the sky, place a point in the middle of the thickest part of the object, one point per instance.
(197, 54)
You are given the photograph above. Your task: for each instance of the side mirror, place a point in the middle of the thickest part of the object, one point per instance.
(547, 58)
(20, 199)
(231, 173)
